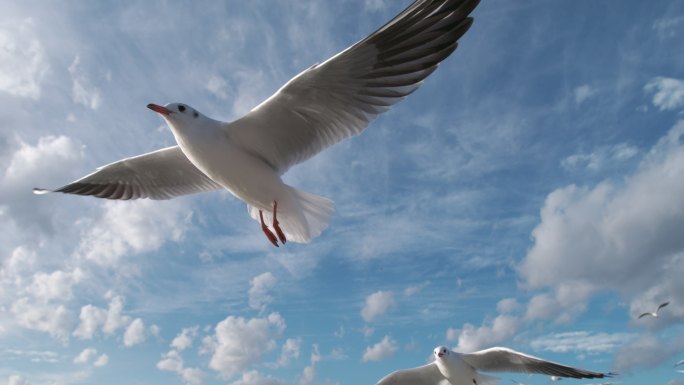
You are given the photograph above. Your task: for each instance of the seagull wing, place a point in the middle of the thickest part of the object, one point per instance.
(161, 174)
(339, 98)
(644, 315)
(507, 360)
(662, 306)
(423, 375)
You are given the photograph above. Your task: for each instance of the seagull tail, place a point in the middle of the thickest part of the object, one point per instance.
(317, 212)
(302, 216)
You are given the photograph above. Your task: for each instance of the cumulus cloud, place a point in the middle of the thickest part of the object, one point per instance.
(507, 305)
(309, 372)
(93, 317)
(377, 304)
(184, 339)
(615, 236)
(471, 338)
(23, 63)
(85, 356)
(289, 351)
(102, 360)
(173, 362)
(259, 287)
(381, 350)
(253, 377)
(239, 343)
(132, 227)
(668, 93)
(55, 320)
(48, 161)
(647, 351)
(55, 285)
(135, 333)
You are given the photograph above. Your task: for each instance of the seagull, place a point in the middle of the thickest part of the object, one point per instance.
(679, 363)
(317, 108)
(556, 378)
(655, 313)
(462, 369)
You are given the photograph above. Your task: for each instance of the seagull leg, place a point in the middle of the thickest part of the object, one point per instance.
(277, 228)
(269, 234)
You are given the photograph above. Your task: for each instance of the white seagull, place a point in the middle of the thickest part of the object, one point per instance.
(655, 313)
(679, 363)
(319, 107)
(462, 369)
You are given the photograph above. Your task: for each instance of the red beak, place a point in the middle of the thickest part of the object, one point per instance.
(162, 110)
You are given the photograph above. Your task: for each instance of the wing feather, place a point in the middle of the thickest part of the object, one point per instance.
(508, 360)
(339, 98)
(161, 174)
(423, 375)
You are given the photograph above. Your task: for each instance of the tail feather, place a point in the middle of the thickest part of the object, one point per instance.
(302, 218)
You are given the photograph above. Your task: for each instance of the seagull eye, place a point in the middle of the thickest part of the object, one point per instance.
(181, 108)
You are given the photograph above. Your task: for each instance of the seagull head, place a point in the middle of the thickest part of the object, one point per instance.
(441, 352)
(179, 115)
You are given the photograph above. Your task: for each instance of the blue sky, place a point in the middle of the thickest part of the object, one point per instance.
(528, 195)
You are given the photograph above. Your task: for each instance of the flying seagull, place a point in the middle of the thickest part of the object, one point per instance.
(679, 363)
(655, 313)
(319, 107)
(463, 369)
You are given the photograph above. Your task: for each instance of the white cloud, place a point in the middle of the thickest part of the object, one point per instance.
(258, 290)
(668, 93)
(85, 356)
(82, 89)
(253, 377)
(135, 333)
(583, 93)
(615, 236)
(110, 320)
(377, 304)
(54, 320)
(91, 318)
(102, 360)
(239, 343)
(289, 351)
(507, 305)
(309, 372)
(23, 63)
(56, 285)
(580, 342)
(646, 352)
(16, 379)
(132, 227)
(601, 157)
(471, 338)
(184, 339)
(173, 362)
(380, 351)
(374, 5)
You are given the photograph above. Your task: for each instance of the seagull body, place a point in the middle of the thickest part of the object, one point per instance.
(655, 313)
(463, 368)
(319, 107)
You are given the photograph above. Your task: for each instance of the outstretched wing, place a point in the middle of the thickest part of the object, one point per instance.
(423, 375)
(508, 360)
(340, 97)
(662, 305)
(161, 174)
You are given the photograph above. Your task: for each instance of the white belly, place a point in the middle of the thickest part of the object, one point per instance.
(246, 176)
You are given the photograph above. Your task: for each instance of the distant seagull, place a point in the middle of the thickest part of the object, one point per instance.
(556, 378)
(655, 313)
(462, 369)
(679, 363)
(319, 107)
